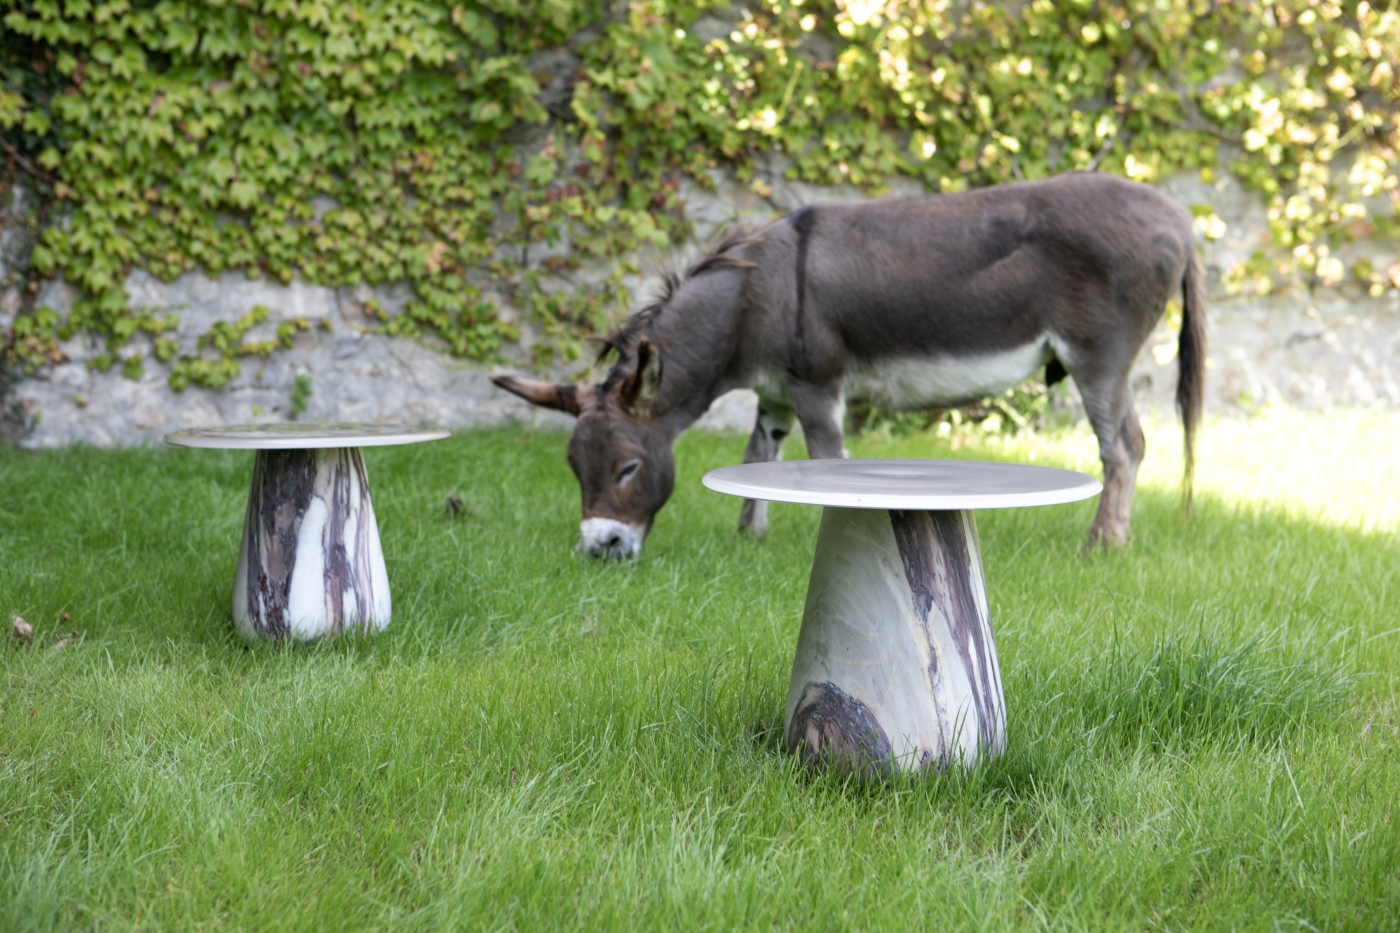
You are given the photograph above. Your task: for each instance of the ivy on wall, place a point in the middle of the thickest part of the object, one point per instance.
(410, 140)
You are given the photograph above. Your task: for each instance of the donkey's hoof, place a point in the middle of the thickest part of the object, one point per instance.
(756, 531)
(1107, 538)
(753, 519)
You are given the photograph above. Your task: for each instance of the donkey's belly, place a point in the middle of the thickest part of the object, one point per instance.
(897, 383)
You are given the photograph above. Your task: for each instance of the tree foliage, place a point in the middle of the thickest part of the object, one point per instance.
(409, 140)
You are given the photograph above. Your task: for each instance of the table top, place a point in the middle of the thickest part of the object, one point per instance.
(303, 436)
(929, 485)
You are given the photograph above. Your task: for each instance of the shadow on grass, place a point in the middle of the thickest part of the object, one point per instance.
(1188, 689)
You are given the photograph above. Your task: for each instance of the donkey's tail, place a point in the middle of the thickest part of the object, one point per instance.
(1191, 360)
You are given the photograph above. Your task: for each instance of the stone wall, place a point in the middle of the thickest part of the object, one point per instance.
(1330, 346)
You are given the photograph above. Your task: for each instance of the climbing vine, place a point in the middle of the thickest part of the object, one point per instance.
(424, 142)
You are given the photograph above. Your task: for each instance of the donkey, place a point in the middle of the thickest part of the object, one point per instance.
(914, 302)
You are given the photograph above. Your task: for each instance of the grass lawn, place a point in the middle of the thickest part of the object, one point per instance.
(1202, 728)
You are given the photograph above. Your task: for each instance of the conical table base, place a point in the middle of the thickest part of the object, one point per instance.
(310, 563)
(896, 666)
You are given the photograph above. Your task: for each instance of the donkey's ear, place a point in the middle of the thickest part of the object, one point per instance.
(544, 394)
(641, 387)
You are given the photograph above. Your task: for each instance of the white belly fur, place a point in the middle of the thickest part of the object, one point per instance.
(909, 382)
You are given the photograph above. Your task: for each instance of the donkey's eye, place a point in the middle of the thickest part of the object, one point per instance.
(628, 469)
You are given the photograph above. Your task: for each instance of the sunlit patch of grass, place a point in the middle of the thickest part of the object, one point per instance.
(1340, 467)
(1202, 728)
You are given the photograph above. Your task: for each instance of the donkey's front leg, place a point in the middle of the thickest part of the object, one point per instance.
(773, 426)
(821, 407)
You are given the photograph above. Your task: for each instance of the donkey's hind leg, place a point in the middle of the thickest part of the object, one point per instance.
(1121, 448)
(772, 427)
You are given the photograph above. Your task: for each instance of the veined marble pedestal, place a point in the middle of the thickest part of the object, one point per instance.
(896, 667)
(310, 562)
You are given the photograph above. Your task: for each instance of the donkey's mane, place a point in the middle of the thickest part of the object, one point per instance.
(719, 256)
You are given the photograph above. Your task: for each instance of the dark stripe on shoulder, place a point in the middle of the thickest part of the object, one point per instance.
(802, 222)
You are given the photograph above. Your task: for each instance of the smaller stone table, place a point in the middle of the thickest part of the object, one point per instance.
(310, 563)
(896, 668)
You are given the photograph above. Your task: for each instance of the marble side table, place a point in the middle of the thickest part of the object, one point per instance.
(310, 563)
(896, 667)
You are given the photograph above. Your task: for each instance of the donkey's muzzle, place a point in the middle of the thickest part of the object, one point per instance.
(610, 539)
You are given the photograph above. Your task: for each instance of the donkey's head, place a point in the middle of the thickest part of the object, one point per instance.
(621, 447)
(619, 451)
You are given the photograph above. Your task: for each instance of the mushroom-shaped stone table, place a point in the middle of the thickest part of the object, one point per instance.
(310, 563)
(896, 669)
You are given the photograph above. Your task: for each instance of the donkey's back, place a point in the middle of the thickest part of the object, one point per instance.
(976, 272)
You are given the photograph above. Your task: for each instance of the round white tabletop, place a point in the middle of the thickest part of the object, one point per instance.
(303, 436)
(923, 485)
